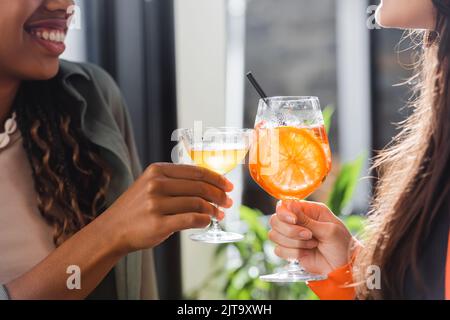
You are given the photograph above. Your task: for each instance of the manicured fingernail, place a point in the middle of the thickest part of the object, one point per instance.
(221, 215)
(230, 186)
(305, 235)
(229, 202)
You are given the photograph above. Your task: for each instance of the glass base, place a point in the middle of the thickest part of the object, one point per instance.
(216, 236)
(292, 273)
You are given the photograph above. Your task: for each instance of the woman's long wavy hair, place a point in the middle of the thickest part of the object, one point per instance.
(413, 186)
(71, 179)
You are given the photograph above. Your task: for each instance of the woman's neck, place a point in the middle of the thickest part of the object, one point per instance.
(8, 91)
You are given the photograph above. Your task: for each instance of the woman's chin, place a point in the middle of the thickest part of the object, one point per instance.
(43, 72)
(419, 17)
(385, 19)
(378, 15)
(47, 75)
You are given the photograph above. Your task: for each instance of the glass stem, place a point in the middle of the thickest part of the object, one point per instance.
(215, 227)
(294, 266)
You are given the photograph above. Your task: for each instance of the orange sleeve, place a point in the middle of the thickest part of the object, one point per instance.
(335, 287)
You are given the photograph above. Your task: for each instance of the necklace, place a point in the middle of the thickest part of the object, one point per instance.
(10, 128)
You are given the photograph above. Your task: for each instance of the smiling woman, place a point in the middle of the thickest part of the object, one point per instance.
(21, 20)
(72, 191)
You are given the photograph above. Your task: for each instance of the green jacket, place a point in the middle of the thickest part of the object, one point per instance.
(105, 121)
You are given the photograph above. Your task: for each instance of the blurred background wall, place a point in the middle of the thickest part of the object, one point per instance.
(201, 95)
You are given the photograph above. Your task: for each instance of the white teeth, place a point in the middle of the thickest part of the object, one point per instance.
(50, 35)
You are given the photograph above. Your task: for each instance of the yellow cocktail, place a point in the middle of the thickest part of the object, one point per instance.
(219, 150)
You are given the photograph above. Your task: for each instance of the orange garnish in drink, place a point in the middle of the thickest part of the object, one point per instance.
(288, 162)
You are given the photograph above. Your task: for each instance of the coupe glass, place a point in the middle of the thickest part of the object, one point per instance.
(219, 150)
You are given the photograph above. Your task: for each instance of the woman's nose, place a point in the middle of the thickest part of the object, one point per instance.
(58, 5)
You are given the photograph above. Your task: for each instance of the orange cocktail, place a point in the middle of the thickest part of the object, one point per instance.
(290, 162)
(290, 158)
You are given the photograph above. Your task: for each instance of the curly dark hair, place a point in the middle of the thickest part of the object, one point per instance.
(71, 179)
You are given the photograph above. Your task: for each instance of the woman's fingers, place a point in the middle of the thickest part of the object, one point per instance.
(177, 205)
(287, 216)
(289, 230)
(308, 209)
(308, 215)
(286, 242)
(184, 221)
(181, 187)
(188, 172)
(292, 254)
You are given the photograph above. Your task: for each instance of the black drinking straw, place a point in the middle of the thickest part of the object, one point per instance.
(257, 87)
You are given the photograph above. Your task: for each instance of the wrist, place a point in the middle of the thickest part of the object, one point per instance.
(343, 252)
(113, 232)
(353, 249)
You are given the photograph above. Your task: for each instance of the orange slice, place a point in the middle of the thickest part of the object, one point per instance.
(288, 162)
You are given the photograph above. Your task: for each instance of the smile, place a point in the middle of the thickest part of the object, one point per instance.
(57, 36)
(49, 34)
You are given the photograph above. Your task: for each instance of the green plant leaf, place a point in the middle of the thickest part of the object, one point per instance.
(253, 219)
(220, 250)
(355, 223)
(328, 117)
(345, 184)
(243, 249)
